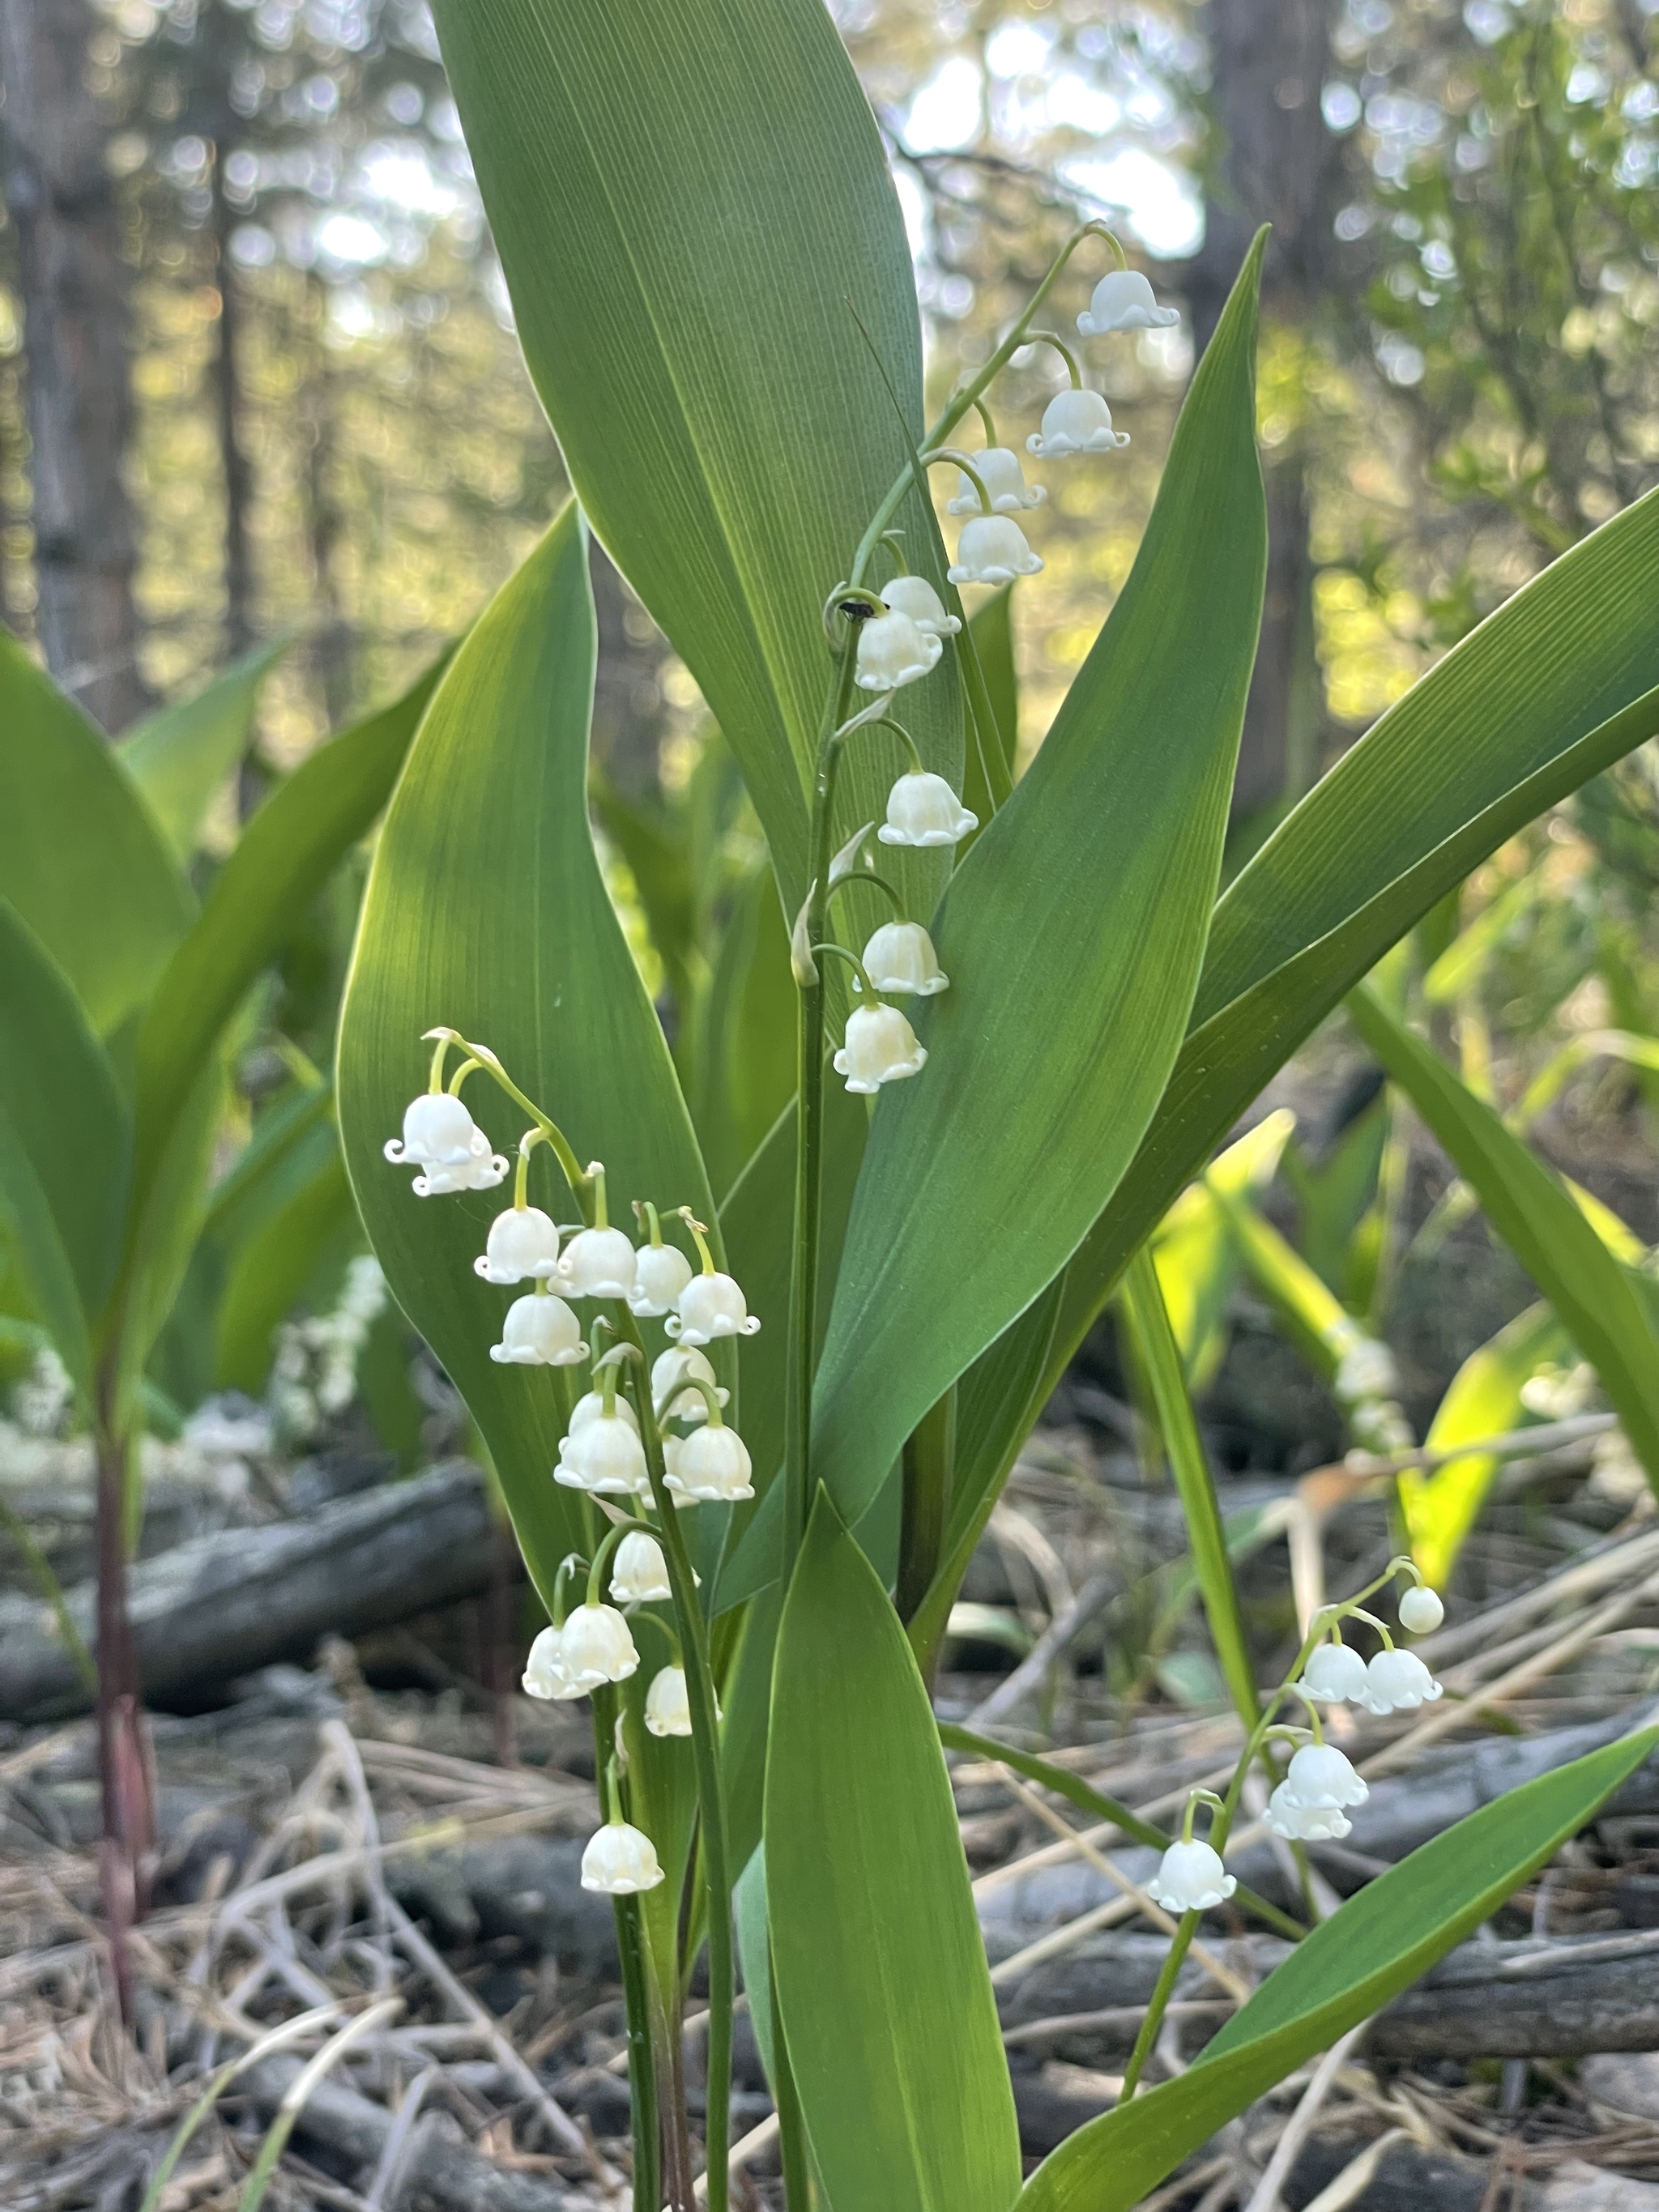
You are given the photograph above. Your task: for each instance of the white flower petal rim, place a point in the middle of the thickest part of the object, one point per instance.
(1123, 300)
(1397, 1680)
(881, 1048)
(661, 1272)
(667, 1703)
(639, 1573)
(1336, 1675)
(900, 958)
(523, 1246)
(922, 810)
(1190, 1878)
(992, 550)
(620, 1861)
(1075, 422)
(539, 1331)
(595, 1646)
(893, 650)
(710, 1307)
(1005, 481)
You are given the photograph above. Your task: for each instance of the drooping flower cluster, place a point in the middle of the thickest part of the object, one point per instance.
(608, 1443)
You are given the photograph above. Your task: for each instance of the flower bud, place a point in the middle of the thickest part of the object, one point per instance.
(680, 1364)
(881, 1048)
(523, 1246)
(595, 1647)
(661, 1271)
(992, 550)
(712, 1467)
(1305, 1824)
(1336, 1675)
(605, 1457)
(1396, 1680)
(999, 469)
(539, 1331)
(598, 1263)
(1421, 1611)
(900, 957)
(544, 1672)
(1190, 1878)
(667, 1707)
(1123, 300)
(441, 1138)
(639, 1573)
(620, 1861)
(710, 1306)
(894, 650)
(923, 810)
(915, 597)
(1075, 422)
(1321, 1778)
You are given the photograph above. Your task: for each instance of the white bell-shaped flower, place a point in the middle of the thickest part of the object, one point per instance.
(620, 1861)
(1421, 1611)
(523, 1247)
(661, 1271)
(712, 1467)
(682, 1363)
(895, 650)
(1123, 300)
(1322, 1777)
(639, 1572)
(543, 1670)
(598, 1263)
(1396, 1680)
(604, 1457)
(1306, 1824)
(590, 1407)
(1366, 1369)
(900, 957)
(881, 1048)
(1190, 1878)
(992, 550)
(539, 1331)
(923, 810)
(1004, 479)
(442, 1139)
(1336, 1675)
(710, 1306)
(1075, 422)
(668, 1706)
(595, 1646)
(915, 597)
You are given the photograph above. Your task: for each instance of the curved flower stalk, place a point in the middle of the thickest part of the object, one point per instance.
(1310, 1802)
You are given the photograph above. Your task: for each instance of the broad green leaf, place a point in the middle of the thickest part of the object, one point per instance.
(81, 859)
(1549, 690)
(1378, 1944)
(748, 1044)
(309, 1235)
(161, 1232)
(882, 1985)
(991, 635)
(33, 1248)
(1482, 1400)
(1525, 1203)
(282, 859)
(1160, 1360)
(66, 1114)
(661, 868)
(693, 209)
(179, 755)
(1072, 934)
(486, 912)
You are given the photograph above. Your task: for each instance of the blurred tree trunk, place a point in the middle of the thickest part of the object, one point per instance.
(233, 455)
(629, 718)
(1275, 162)
(74, 283)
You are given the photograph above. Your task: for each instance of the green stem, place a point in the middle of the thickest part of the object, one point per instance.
(809, 1136)
(970, 394)
(551, 1131)
(1175, 1958)
(929, 1453)
(706, 1758)
(642, 2057)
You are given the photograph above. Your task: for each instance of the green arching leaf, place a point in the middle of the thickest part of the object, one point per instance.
(1483, 1399)
(661, 865)
(486, 912)
(1527, 1204)
(993, 625)
(1072, 935)
(81, 859)
(1225, 1061)
(748, 1044)
(31, 1241)
(1160, 1357)
(882, 1983)
(1378, 1944)
(1195, 1251)
(66, 1114)
(283, 858)
(163, 1228)
(313, 1228)
(179, 755)
(725, 425)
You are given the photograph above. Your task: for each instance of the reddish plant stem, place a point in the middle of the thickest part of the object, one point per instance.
(127, 1849)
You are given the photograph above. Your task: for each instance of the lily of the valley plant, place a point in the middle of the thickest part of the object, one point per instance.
(750, 1437)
